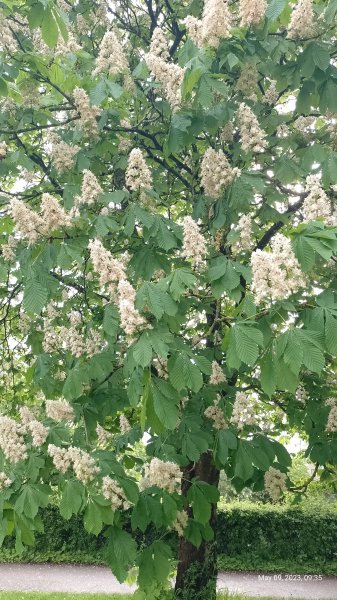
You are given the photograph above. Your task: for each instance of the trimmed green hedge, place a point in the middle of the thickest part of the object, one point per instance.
(250, 537)
(269, 532)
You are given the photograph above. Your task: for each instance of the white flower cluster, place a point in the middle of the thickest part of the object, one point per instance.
(67, 47)
(302, 20)
(5, 482)
(165, 475)
(90, 189)
(331, 426)
(217, 375)
(31, 225)
(169, 75)
(305, 125)
(276, 274)
(252, 11)
(31, 425)
(53, 214)
(214, 24)
(271, 94)
(24, 323)
(28, 223)
(112, 272)
(316, 204)
(252, 136)
(93, 343)
(124, 424)
(114, 493)
(159, 45)
(274, 483)
(88, 114)
(111, 58)
(243, 411)
(216, 172)
(215, 413)
(3, 150)
(244, 226)
(194, 243)
(60, 457)
(8, 42)
(248, 81)
(11, 440)
(59, 410)
(301, 394)
(8, 250)
(131, 319)
(71, 339)
(180, 522)
(84, 466)
(110, 269)
(103, 436)
(138, 174)
(62, 154)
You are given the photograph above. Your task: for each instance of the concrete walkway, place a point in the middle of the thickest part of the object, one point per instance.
(93, 579)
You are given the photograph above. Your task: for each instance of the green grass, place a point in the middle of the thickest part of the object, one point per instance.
(62, 596)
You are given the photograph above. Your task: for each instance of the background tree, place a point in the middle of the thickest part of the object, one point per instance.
(168, 174)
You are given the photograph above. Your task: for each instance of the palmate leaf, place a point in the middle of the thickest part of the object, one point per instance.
(154, 564)
(245, 341)
(121, 552)
(184, 373)
(152, 297)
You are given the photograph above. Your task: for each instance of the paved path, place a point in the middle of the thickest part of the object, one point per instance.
(91, 579)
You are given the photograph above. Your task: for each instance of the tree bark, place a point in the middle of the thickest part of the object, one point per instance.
(197, 567)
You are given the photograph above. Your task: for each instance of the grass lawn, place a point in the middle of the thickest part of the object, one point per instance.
(62, 596)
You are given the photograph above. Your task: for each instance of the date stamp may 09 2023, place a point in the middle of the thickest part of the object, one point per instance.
(290, 577)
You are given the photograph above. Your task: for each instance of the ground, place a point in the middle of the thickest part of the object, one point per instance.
(88, 581)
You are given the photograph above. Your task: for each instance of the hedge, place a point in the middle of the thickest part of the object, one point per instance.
(250, 536)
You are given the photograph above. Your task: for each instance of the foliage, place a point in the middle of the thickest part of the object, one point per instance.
(108, 299)
(250, 537)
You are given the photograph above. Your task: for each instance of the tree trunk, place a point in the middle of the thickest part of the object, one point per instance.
(197, 568)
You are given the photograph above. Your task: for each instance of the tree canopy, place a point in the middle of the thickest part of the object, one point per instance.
(168, 233)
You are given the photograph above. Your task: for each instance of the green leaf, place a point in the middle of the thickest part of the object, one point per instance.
(184, 373)
(72, 499)
(73, 385)
(121, 552)
(282, 454)
(331, 333)
(201, 506)
(193, 445)
(274, 9)
(244, 343)
(180, 281)
(35, 296)
(111, 320)
(92, 519)
(142, 351)
(35, 15)
(321, 56)
(243, 461)
(3, 87)
(49, 28)
(31, 498)
(268, 374)
(151, 297)
(193, 533)
(165, 403)
(154, 564)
